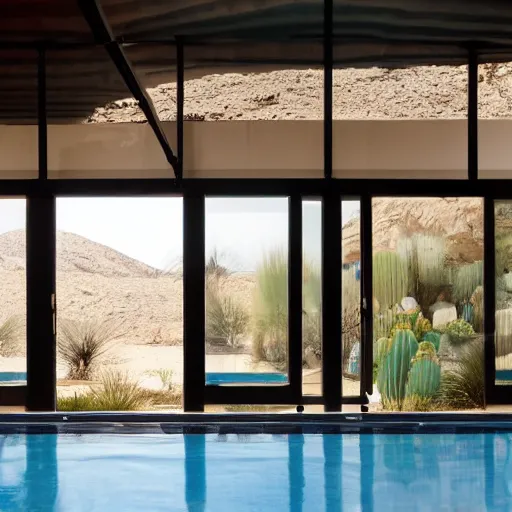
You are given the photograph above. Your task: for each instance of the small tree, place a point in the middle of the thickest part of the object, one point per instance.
(81, 344)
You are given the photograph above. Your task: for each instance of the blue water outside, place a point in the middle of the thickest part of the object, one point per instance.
(267, 473)
(218, 379)
(13, 376)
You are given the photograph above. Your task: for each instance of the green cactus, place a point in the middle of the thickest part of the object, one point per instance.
(421, 327)
(382, 323)
(466, 279)
(459, 331)
(434, 338)
(424, 378)
(393, 372)
(390, 278)
(477, 301)
(382, 349)
(427, 350)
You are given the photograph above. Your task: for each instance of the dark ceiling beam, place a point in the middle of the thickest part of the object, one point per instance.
(103, 35)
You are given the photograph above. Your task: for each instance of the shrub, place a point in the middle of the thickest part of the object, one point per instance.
(270, 329)
(165, 376)
(10, 332)
(213, 266)
(463, 387)
(459, 331)
(225, 317)
(79, 402)
(117, 392)
(82, 344)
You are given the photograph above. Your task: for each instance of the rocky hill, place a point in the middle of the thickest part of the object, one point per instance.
(458, 220)
(422, 92)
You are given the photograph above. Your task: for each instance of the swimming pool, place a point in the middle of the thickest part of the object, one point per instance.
(240, 464)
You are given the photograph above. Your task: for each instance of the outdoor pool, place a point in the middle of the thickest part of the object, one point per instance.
(254, 466)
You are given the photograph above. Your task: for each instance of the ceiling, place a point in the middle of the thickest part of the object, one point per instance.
(225, 35)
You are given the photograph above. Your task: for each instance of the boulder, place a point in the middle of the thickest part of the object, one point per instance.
(507, 281)
(409, 303)
(442, 314)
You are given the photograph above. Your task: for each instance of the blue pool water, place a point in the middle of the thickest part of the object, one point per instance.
(13, 376)
(256, 472)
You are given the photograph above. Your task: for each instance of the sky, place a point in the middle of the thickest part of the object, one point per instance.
(150, 229)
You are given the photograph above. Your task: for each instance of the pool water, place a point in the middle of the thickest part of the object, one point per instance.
(256, 472)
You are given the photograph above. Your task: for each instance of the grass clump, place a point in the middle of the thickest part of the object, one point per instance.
(116, 392)
(81, 344)
(10, 332)
(463, 387)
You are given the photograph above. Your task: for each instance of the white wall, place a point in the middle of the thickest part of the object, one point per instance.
(361, 149)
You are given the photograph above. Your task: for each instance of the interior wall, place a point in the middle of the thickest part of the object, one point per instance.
(266, 149)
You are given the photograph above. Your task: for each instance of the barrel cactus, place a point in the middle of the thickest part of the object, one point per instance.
(390, 278)
(426, 350)
(421, 327)
(424, 378)
(434, 338)
(459, 331)
(393, 372)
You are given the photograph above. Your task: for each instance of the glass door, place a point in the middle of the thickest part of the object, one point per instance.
(428, 303)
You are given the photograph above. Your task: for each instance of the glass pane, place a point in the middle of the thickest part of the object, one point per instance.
(428, 302)
(351, 297)
(494, 127)
(13, 316)
(394, 116)
(96, 128)
(119, 296)
(503, 337)
(312, 297)
(246, 290)
(248, 101)
(18, 114)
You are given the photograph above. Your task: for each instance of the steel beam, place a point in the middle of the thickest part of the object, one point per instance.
(103, 35)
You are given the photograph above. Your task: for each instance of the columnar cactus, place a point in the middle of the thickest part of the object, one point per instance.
(390, 278)
(392, 378)
(382, 349)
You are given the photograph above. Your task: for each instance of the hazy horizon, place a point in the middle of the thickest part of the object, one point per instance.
(150, 229)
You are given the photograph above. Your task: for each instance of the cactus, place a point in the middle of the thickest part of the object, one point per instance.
(434, 338)
(477, 301)
(468, 312)
(424, 378)
(390, 278)
(421, 327)
(426, 350)
(459, 331)
(393, 372)
(466, 279)
(382, 349)
(383, 323)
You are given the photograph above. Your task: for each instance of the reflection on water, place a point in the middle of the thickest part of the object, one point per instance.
(296, 473)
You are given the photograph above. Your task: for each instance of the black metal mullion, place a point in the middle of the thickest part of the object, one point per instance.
(331, 302)
(41, 319)
(473, 115)
(100, 28)
(328, 65)
(180, 102)
(295, 296)
(193, 303)
(366, 262)
(42, 126)
(489, 299)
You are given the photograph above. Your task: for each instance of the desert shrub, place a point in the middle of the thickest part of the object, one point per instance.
(312, 309)
(463, 387)
(270, 321)
(213, 266)
(10, 332)
(171, 397)
(165, 376)
(81, 344)
(225, 317)
(78, 402)
(117, 392)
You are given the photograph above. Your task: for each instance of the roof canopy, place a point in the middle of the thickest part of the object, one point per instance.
(82, 37)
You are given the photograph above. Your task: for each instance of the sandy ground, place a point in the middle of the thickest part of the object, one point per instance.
(139, 361)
